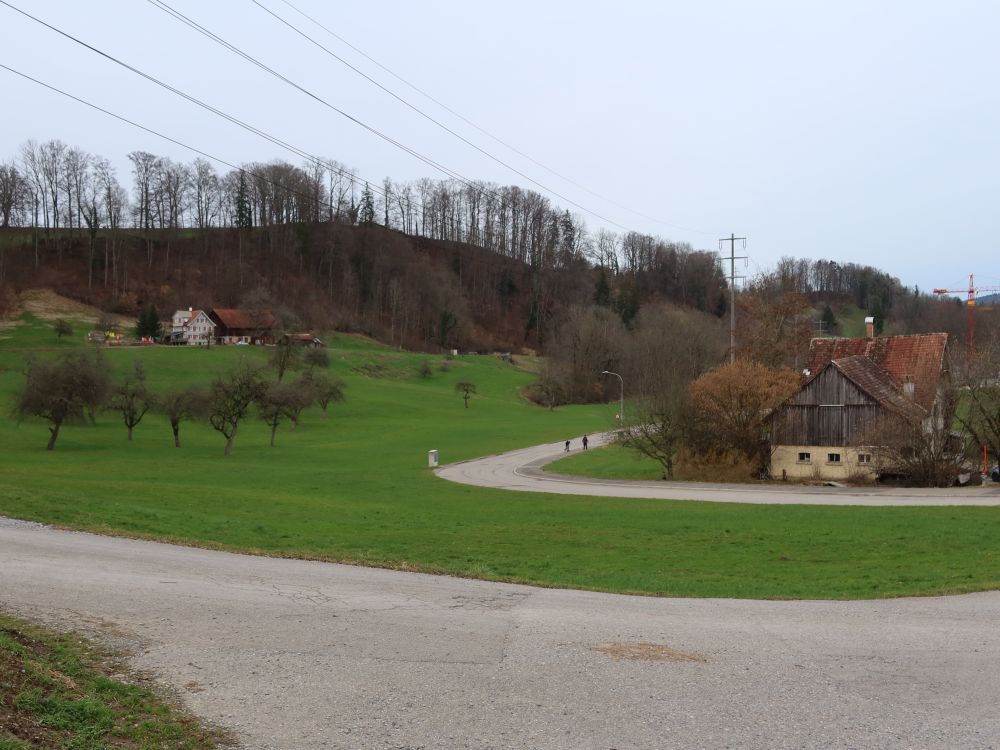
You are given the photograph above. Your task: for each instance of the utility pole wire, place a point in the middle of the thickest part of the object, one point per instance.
(166, 8)
(218, 112)
(732, 239)
(133, 123)
(459, 115)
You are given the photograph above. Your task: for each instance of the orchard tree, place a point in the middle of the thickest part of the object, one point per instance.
(230, 398)
(70, 389)
(318, 358)
(324, 389)
(284, 356)
(467, 389)
(132, 398)
(274, 403)
(62, 328)
(183, 405)
(302, 397)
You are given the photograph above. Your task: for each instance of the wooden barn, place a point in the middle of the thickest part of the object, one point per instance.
(848, 389)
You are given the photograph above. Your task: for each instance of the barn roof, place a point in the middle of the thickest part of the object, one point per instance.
(874, 381)
(918, 359)
(232, 318)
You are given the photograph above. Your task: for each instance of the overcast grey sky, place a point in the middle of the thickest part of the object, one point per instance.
(856, 131)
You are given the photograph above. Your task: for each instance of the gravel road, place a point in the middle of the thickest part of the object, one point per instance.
(294, 654)
(522, 470)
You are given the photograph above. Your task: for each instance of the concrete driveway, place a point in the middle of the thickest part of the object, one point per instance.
(521, 470)
(294, 654)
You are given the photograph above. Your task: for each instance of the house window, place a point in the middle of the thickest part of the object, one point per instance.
(833, 458)
(805, 458)
(864, 458)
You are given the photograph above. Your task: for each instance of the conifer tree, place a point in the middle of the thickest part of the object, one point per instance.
(366, 213)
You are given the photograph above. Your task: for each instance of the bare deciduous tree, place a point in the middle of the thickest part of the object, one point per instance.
(928, 452)
(132, 398)
(182, 405)
(62, 327)
(230, 399)
(325, 390)
(467, 389)
(274, 403)
(69, 389)
(668, 351)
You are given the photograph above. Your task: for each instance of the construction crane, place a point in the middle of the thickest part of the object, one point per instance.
(973, 290)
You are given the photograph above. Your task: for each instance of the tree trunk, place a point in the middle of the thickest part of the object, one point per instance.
(176, 427)
(274, 429)
(232, 437)
(54, 433)
(130, 432)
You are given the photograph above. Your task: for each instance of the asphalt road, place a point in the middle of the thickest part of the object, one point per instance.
(521, 470)
(294, 654)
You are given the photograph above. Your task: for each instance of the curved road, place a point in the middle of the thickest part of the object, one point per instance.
(296, 655)
(522, 470)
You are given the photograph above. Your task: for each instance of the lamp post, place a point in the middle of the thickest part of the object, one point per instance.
(621, 397)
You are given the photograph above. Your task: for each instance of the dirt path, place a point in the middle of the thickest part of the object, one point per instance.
(521, 470)
(293, 654)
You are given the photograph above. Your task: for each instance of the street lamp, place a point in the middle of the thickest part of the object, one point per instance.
(621, 397)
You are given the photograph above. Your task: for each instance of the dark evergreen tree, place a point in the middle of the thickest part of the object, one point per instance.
(627, 305)
(602, 290)
(149, 324)
(244, 216)
(366, 213)
(830, 323)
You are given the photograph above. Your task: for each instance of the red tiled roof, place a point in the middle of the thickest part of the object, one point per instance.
(232, 318)
(919, 358)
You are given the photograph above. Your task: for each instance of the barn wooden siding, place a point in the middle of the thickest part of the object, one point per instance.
(830, 410)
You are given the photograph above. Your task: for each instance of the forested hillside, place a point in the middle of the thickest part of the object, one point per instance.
(429, 264)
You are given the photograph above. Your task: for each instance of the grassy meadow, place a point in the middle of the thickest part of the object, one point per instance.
(608, 462)
(355, 487)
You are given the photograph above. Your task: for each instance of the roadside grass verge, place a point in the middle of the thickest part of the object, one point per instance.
(608, 462)
(58, 691)
(354, 487)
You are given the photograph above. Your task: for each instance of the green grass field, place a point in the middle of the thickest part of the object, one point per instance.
(608, 462)
(355, 487)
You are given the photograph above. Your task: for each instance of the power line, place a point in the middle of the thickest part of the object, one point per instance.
(462, 117)
(202, 104)
(151, 131)
(425, 115)
(177, 15)
(214, 110)
(261, 133)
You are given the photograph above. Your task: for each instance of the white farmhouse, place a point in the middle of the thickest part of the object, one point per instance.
(192, 327)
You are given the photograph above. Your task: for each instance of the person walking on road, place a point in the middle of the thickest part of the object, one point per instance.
(567, 446)
(585, 442)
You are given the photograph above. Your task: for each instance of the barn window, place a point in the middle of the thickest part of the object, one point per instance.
(805, 458)
(833, 458)
(864, 458)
